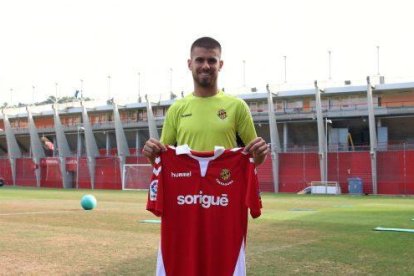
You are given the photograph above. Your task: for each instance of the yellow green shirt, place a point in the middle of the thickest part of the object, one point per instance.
(205, 122)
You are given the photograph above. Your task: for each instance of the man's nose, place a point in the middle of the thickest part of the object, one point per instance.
(205, 65)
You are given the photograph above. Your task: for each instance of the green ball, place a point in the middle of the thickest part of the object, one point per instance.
(88, 202)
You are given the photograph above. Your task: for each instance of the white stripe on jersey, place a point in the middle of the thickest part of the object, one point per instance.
(156, 171)
(157, 160)
(240, 269)
(160, 263)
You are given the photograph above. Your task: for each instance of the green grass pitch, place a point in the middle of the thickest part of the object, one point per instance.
(46, 232)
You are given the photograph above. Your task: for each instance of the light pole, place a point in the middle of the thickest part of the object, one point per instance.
(78, 154)
(139, 87)
(11, 96)
(109, 87)
(244, 74)
(330, 68)
(171, 80)
(33, 93)
(172, 95)
(81, 89)
(378, 56)
(56, 86)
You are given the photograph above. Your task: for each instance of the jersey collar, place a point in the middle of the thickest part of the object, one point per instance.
(185, 149)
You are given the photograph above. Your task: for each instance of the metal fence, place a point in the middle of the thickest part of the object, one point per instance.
(298, 167)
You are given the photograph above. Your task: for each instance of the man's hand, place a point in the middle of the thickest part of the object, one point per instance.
(259, 149)
(152, 149)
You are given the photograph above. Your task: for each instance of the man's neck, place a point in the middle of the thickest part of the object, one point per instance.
(205, 92)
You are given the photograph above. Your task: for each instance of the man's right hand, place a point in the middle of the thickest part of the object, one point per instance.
(152, 149)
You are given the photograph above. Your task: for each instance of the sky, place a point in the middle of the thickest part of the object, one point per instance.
(121, 48)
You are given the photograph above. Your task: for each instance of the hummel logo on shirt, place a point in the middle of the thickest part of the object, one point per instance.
(181, 174)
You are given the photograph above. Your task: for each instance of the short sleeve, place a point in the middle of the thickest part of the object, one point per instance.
(245, 125)
(169, 128)
(253, 199)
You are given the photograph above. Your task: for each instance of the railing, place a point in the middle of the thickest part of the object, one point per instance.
(360, 106)
(390, 146)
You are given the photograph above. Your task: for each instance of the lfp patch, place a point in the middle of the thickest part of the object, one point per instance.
(153, 190)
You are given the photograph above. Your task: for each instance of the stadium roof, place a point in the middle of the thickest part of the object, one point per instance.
(96, 106)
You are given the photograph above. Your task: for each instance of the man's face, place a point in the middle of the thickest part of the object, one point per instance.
(205, 65)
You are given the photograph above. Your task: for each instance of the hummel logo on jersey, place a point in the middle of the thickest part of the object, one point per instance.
(186, 115)
(181, 174)
(204, 200)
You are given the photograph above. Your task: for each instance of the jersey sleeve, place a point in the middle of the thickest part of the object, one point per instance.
(245, 125)
(155, 191)
(253, 199)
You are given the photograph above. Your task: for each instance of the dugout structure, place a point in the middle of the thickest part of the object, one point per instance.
(136, 176)
(325, 187)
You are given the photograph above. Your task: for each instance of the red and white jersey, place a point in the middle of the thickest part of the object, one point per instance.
(203, 201)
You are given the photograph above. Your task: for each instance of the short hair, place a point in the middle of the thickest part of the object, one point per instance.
(207, 43)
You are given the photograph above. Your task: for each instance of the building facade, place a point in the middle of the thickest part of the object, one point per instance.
(326, 134)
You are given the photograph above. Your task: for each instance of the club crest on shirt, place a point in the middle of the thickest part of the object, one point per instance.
(222, 114)
(224, 178)
(225, 174)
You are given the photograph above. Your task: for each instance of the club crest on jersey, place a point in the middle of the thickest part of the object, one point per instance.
(224, 178)
(222, 114)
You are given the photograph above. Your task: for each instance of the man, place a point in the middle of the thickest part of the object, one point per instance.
(208, 117)
(203, 197)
